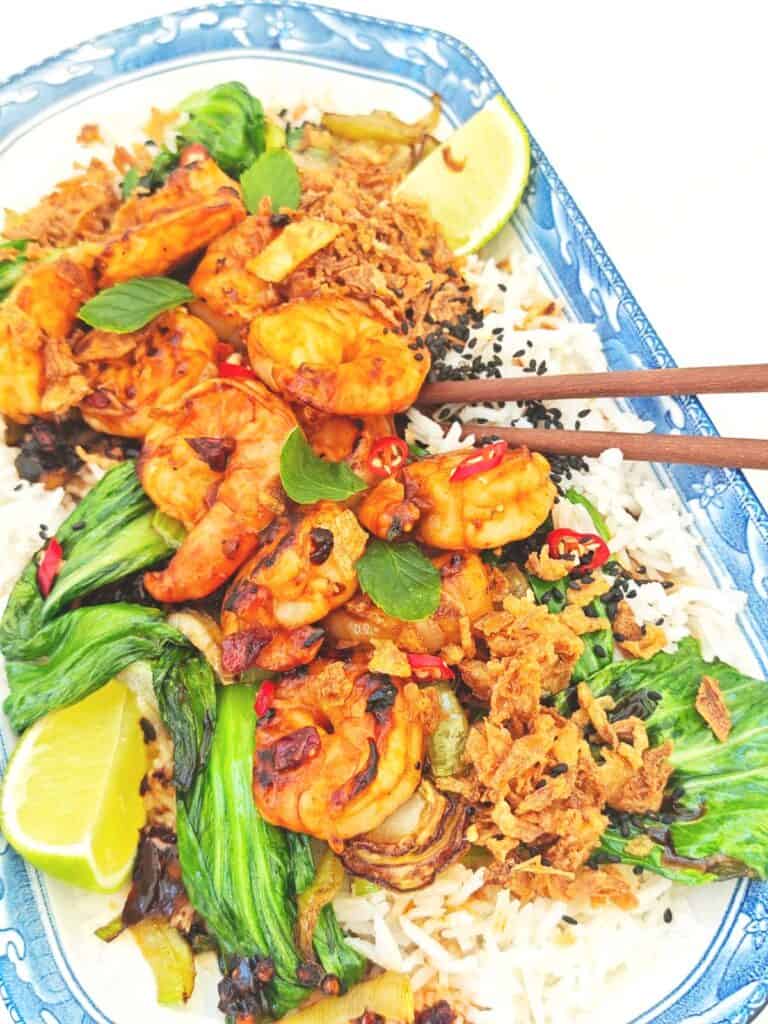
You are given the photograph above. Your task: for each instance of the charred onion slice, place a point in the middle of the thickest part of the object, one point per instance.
(419, 840)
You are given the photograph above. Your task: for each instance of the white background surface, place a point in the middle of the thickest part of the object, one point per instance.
(654, 115)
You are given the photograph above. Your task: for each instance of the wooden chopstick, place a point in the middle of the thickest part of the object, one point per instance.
(733, 452)
(693, 380)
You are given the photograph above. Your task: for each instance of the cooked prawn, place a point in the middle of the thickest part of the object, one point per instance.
(466, 593)
(213, 461)
(153, 234)
(491, 508)
(230, 294)
(304, 567)
(39, 375)
(334, 355)
(344, 439)
(133, 374)
(340, 751)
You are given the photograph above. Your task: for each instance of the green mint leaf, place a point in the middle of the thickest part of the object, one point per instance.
(307, 478)
(274, 174)
(128, 306)
(129, 183)
(400, 579)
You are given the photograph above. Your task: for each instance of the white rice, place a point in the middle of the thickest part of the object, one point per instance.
(24, 509)
(494, 959)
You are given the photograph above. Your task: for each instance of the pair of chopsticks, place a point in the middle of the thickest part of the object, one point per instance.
(733, 452)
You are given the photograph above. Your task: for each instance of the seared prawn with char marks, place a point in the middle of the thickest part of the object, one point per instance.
(229, 294)
(340, 749)
(153, 234)
(466, 594)
(132, 375)
(39, 375)
(335, 355)
(213, 461)
(483, 510)
(304, 568)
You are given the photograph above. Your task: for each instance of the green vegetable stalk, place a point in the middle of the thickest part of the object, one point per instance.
(446, 744)
(236, 866)
(241, 873)
(331, 948)
(718, 808)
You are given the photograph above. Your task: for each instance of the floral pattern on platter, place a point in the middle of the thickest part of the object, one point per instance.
(727, 986)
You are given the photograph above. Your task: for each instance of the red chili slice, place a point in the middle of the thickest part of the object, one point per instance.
(49, 567)
(236, 372)
(388, 456)
(479, 461)
(429, 666)
(223, 351)
(265, 698)
(565, 541)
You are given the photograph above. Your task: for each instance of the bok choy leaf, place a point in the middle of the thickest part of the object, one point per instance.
(714, 823)
(55, 656)
(236, 866)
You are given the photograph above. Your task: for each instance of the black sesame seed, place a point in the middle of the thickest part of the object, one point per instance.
(638, 869)
(569, 920)
(517, 355)
(558, 769)
(540, 783)
(599, 651)
(667, 916)
(502, 287)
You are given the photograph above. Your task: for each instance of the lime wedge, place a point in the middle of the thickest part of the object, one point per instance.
(474, 181)
(70, 801)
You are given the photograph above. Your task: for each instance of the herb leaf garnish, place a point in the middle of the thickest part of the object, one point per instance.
(307, 478)
(273, 174)
(128, 306)
(399, 579)
(12, 269)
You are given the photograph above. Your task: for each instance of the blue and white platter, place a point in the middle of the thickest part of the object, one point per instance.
(52, 969)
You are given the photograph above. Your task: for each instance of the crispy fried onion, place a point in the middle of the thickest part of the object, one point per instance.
(541, 782)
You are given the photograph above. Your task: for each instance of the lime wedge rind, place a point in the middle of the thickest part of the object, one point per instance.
(474, 182)
(82, 830)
